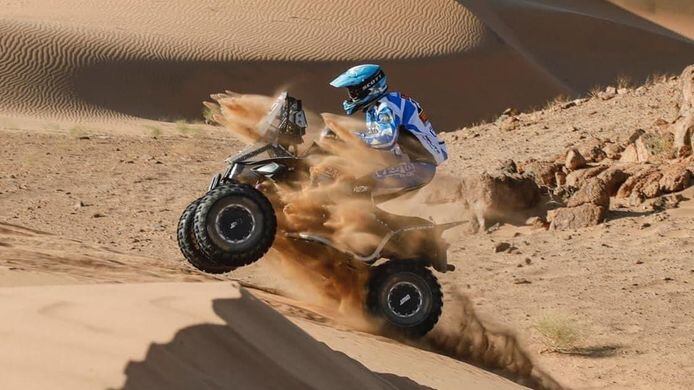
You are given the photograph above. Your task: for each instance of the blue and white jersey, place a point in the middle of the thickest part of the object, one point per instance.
(395, 112)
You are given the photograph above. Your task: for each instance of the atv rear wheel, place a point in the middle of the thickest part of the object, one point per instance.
(235, 225)
(406, 296)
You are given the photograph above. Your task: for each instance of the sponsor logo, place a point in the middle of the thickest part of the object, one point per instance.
(385, 117)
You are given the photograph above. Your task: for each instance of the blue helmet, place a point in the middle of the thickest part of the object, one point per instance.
(365, 84)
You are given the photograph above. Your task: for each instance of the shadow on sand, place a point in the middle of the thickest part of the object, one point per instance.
(256, 348)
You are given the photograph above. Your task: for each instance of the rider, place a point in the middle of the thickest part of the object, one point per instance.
(396, 123)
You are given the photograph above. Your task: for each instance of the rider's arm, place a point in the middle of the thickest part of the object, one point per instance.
(382, 128)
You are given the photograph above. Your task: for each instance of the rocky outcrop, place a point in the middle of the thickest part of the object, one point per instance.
(652, 181)
(683, 128)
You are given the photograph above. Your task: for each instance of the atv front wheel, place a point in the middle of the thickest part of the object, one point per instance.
(189, 246)
(406, 296)
(235, 225)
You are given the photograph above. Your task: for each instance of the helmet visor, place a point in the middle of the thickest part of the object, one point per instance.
(357, 92)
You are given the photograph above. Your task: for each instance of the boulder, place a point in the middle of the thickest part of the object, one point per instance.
(544, 172)
(577, 217)
(578, 179)
(593, 192)
(643, 185)
(629, 154)
(574, 160)
(676, 177)
(613, 178)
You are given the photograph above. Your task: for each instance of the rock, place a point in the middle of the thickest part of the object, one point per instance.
(79, 205)
(635, 135)
(683, 127)
(684, 140)
(499, 196)
(666, 202)
(647, 147)
(643, 185)
(591, 150)
(510, 111)
(572, 103)
(629, 154)
(522, 281)
(560, 178)
(676, 177)
(578, 179)
(660, 123)
(537, 222)
(613, 178)
(594, 191)
(501, 247)
(576, 217)
(568, 104)
(98, 215)
(509, 123)
(622, 91)
(613, 151)
(608, 93)
(544, 172)
(507, 166)
(574, 160)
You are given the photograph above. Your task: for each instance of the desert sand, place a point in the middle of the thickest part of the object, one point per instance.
(183, 336)
(102, 146)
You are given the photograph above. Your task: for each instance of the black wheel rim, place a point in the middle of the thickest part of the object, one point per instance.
(235, 223)
(405, 299)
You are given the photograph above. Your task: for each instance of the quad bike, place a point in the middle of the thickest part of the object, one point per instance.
(234, 224)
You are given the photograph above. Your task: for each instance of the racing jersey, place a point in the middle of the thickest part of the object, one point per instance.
(395, 112)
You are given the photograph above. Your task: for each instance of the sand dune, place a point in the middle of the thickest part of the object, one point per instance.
(184, 336)
(76, 59)
(675, 15)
